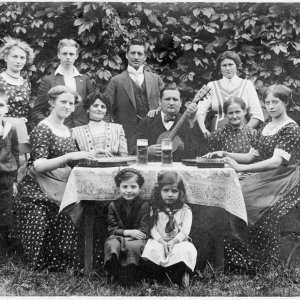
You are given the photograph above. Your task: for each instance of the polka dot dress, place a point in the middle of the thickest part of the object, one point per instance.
(18, 98)
(49, 239)
(259, 244)
(230, 139)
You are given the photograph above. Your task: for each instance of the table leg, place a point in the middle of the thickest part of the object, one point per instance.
(88, 234)
(219, 254)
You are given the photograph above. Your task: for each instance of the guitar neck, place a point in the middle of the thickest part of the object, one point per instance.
(203, 92)
(176, 128)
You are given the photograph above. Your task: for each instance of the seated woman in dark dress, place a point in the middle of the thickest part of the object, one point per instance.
(235, 136)
(49, 239)
(273, 187)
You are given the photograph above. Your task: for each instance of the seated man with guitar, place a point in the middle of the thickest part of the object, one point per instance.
(168, 122)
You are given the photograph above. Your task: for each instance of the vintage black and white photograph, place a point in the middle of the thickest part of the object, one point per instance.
(150, 149)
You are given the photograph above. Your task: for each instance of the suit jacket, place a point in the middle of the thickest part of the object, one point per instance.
(9, 150)
(41, 106)
(121, 95)
(151, 128)
(138, 218)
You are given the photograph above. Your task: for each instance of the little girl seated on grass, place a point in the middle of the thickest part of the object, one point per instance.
(171, 221)
(128, 226)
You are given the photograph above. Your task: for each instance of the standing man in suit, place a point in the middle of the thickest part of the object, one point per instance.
(152, 127)
(134, 94)
(65, 74)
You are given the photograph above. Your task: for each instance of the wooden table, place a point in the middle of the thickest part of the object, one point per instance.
(212, 193)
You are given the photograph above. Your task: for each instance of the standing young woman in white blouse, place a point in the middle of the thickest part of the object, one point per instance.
(231, 85)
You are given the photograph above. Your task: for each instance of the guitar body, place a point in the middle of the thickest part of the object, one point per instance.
(172, 135)
(177, 141)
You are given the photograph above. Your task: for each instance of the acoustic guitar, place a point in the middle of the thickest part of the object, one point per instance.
(172, 134)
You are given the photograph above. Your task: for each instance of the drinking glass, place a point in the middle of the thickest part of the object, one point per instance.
(142, 151)
(166, 152)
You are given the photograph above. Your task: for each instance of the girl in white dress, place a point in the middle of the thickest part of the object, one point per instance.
(171, 221)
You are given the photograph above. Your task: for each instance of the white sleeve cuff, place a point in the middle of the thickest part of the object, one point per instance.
(254, 152)
(282, 153)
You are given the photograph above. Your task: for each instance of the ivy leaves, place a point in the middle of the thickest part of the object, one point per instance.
(184, 39)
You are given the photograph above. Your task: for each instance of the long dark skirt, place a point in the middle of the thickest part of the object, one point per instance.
(49, 239)
(268, 196)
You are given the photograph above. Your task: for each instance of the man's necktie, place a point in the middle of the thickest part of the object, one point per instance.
(168, 118)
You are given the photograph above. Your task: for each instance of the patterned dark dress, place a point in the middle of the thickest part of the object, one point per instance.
(18, 98)
(268, 196)
(49, 239)
(231, 139)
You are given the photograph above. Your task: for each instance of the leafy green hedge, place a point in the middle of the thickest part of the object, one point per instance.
(184, 38)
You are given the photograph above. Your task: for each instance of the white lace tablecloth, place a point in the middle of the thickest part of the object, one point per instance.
(211, 187)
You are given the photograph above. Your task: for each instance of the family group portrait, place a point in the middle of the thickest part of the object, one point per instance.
(150, 149)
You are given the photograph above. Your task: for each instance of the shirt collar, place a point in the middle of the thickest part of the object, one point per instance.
(236, 129)
(59, 70)
(132, 70)
(163, 118)
(234, 79)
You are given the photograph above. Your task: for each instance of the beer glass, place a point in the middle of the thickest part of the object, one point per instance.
(166, 152)
(142, 151)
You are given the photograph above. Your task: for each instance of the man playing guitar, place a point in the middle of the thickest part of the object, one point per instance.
(186, 143)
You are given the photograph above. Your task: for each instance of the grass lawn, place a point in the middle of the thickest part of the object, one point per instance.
(17, 280)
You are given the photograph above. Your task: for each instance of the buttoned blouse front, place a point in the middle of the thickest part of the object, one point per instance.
(223, 89)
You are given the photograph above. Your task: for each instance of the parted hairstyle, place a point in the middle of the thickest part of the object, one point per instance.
(229, 55)
(138, 42)
(128, 173)
(157, 203)
(4, 51)
(54, 92)
(91, 98)
(233, 100)
(280, 91)
(68, 43)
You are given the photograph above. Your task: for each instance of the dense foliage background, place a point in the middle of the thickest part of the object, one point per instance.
(184, 38)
